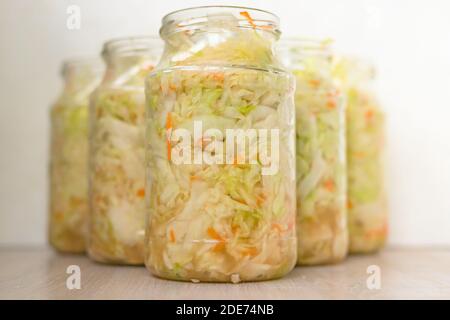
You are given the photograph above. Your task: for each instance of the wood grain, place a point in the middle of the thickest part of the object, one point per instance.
(40, 273)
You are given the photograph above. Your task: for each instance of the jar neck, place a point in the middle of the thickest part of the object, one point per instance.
(220, 36)
(81, 76)
(354, 72)
(301, 54)
(130, 57)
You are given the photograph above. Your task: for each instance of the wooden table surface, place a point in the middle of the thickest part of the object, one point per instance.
(40, 273)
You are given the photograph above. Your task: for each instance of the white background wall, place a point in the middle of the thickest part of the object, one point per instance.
(409, 42)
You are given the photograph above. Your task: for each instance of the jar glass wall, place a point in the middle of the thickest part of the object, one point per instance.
(367, 201)
(117, 165)
(320, 136)
(68, 200)
(221, 155)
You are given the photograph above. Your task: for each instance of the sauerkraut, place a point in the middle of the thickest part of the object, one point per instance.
(367, 207)
(320, 135)
(117, 156)
(230, 220)
(68, 156)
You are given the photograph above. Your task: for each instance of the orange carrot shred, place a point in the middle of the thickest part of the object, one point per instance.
(331, 104)
(169, 121)
(329, 185)
(218, 76)
(359, 155)
(260, 198)
(268, 27)
(172, 235)
(247, 16)
(278, 227)
(251, 251)
(349, 204)
(141, 193)
(314, 82)
(369, 114)
(219, 247)
(214, 235)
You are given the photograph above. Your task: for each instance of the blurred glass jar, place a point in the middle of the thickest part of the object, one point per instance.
(117, 166)
(367, 201)
(229, 218)
(320, 135)
(69, 155)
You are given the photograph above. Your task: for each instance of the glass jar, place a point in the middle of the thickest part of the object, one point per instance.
(367, 201)
(320, 135)
(221, 152)
(68, 155)
(117, 165)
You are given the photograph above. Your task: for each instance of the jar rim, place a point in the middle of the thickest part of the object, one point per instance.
(130, 45)
(356, 66)
(318, 46)
(93, 62)
(247, 18)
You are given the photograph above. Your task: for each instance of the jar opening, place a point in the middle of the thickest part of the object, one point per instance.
(196, 18)
(93, 64)
(131, 46)
(353, 69)
(307, 46)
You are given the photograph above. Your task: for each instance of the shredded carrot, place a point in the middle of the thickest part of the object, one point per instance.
(369, 114)
(314, 82)
(250, 251)
(169, 150)
(247, 16)
(359, 155)
(377, 232)
(268, 27)
(168, 132)
(214, 235)
(260, 198)
(169, 121)
(278, 227)
(141, 193)
(241, 201)
(329, 185)
(172, 235)
(331, 103)
(219, 247)
(349, 204)
(218, 76)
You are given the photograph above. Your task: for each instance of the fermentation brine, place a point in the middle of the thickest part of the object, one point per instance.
(367, 205)
(320, 135)
(221, 155)
(68, 155)
(117, 165)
